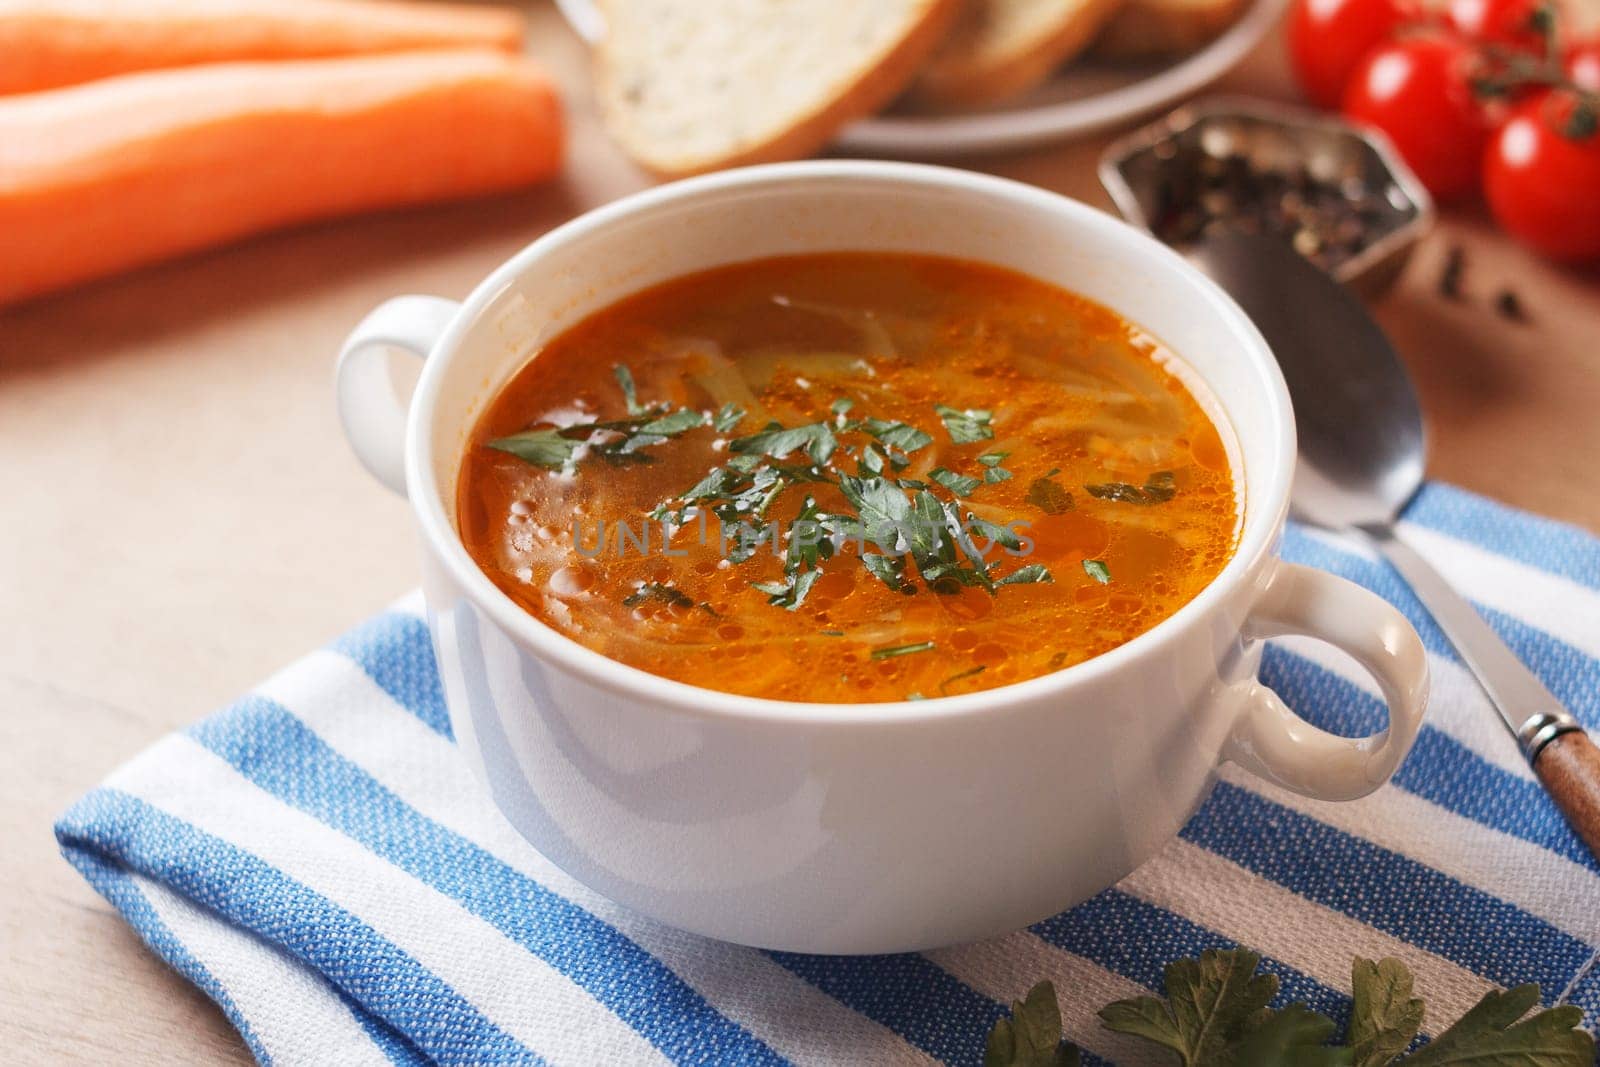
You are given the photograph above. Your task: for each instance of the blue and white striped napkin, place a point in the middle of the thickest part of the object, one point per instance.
(318, 859)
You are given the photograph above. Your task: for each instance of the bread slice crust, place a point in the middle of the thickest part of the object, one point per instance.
(879, 75)
(1160, 29)
(1001, 49)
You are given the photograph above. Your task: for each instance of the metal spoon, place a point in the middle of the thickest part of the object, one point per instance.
(1361, 460)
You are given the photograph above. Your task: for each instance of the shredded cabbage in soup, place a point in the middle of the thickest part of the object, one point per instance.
(849, 478)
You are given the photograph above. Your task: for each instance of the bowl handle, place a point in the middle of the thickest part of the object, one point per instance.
(1272, 741)
(373, 414)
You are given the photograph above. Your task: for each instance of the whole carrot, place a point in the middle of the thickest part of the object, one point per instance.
(125, 171)
(45, 44)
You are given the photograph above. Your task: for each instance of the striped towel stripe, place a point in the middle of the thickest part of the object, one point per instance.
(318, 860)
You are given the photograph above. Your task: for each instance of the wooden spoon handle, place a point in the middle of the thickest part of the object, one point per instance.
(1569, 767)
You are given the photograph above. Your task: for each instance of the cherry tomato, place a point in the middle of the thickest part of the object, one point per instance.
(1583, 64)
(1513, 23)
(1327, 39)
(1543, 182)
(1418, 90)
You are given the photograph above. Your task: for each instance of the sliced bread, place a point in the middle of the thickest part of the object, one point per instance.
(1002, 48)
(1152, 29)
(693, 86)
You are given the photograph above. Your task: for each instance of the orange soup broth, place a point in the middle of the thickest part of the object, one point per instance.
(1079, 397)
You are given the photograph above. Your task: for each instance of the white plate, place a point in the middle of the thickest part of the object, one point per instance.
(1083, 98)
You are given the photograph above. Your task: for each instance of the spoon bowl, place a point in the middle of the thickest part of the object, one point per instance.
(1359, 426)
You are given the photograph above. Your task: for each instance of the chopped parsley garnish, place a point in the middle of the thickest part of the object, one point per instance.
(1097, 570)
(615, 441)
(897, 435)
(666, 594)
(630, 394)
(775, 440)
(916, 533)
(673, 424)
(1033, 572)
(902, 650)
(1048, 496)
(966, 426)
(1157, 489)
(959, 484)
(958, 676)
(542, 448)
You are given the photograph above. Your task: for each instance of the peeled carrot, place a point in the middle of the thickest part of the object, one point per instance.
(45, 44)
(125, 171)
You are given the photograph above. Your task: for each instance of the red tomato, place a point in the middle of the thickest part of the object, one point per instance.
(1507, 22)
(1583, 64)
(1418, 91)
(1544, 184)
(1327, 39)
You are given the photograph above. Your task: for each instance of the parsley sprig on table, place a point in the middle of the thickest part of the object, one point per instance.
(1216, 1014)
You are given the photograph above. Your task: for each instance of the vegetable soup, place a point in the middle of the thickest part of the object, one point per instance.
(850, 477)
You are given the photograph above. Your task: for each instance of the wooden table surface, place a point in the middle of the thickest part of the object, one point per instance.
(183, 517)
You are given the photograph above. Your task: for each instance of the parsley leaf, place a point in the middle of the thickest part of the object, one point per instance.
(1489, 1035)
(1211, 1003)
(1048, 496)
(1032, 1036)
(1384, 1016)
(959, 484)
(993, 459)
(1097, 570)
(717, 482)
(542, 448)
(883, 508)
(1003, 536)
(890, 570)
(966, 426)
(1033, 572)
(673, 424)
(1215, 1014)
(625, 379)
(790, 593)
(1157, 489)
(816, 438)
(656, 591)
(897, 434)
(1295, 1036)
(617, 441)
(728, 418)
(937, 537)
(808, 543)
